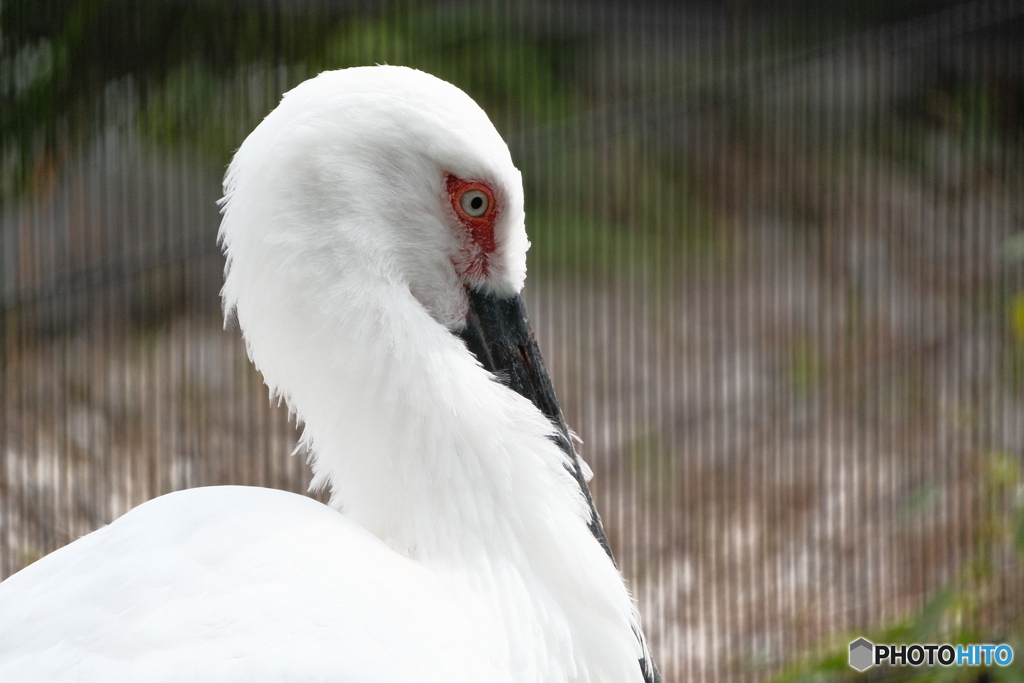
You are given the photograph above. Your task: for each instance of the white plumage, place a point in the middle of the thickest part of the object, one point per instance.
(456, 546)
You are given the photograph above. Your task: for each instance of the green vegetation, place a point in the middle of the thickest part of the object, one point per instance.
(195, 104)
(982, 605)
(200, 76)
(185, 62)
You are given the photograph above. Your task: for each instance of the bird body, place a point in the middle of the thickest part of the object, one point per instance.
(235, 584)
(357, 217)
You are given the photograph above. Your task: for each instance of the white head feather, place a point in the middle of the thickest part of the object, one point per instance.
(349, 165)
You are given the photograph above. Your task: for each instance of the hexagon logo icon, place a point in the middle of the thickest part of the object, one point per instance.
(861, 654)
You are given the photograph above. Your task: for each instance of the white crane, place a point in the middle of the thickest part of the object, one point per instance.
(373, 227)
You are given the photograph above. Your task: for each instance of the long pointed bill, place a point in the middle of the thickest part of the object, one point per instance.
(499, 334)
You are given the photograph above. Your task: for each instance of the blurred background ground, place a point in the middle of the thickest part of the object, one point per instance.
(776, 272)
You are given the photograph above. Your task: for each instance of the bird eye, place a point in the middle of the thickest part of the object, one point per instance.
(474, 203)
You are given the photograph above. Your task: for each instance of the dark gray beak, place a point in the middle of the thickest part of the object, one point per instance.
(499, 334)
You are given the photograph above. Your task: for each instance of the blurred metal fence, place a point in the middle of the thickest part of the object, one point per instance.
(776, 273)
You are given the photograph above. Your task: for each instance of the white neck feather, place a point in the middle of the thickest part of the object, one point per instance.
(421, 446)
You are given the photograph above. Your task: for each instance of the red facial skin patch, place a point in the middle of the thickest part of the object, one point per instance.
(478, 245)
